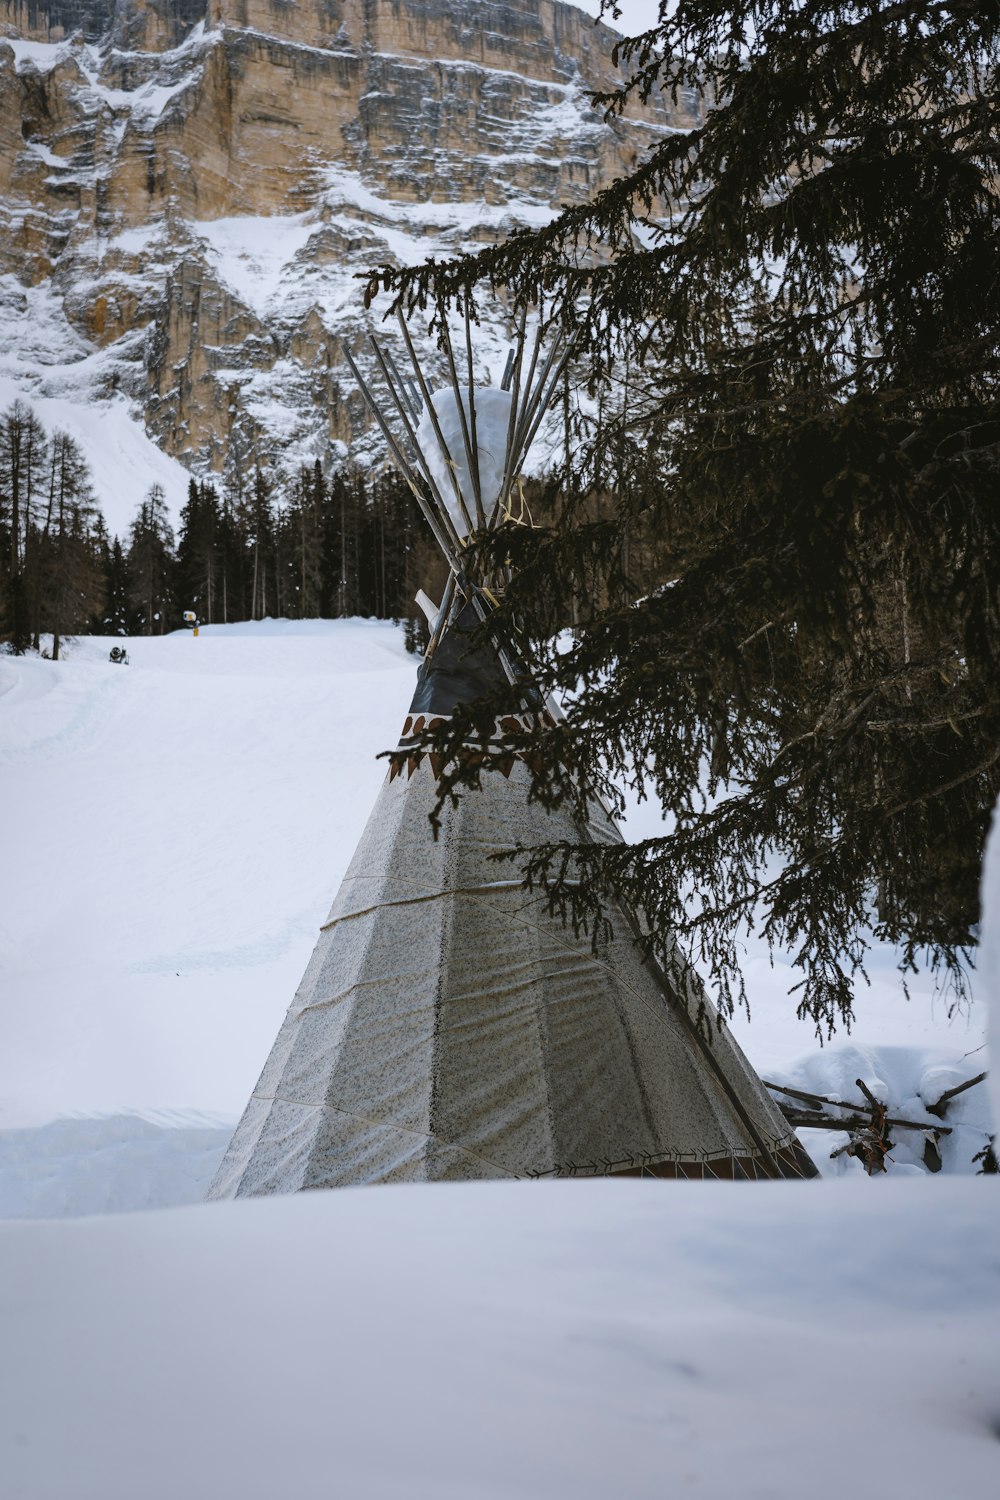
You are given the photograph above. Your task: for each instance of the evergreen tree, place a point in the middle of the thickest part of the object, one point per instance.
(69, 546)
(308, 539)
(341, 590)
(230, 559)
(235, 528)
(787, 315)
(115, 616)
(22, 467)
(199, 552)
(416, 636)
(151, 563)
(260, 521)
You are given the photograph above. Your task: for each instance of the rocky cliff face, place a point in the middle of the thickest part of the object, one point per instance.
(189, 187)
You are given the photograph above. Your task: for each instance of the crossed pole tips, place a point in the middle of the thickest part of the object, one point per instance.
(411, 425)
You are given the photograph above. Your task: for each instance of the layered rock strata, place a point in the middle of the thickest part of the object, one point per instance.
(188, 189)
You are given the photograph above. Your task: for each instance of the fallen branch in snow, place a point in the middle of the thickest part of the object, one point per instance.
(940, 1107)
(799, 1117)
(867, 1125)
(815, 1101)
(858, 1114)
(870, 1140)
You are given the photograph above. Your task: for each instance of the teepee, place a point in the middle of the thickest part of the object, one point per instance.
(448, 1026)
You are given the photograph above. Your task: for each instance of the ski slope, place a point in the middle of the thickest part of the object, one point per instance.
(178, 827)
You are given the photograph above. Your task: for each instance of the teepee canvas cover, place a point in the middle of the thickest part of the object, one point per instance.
(449, 1027)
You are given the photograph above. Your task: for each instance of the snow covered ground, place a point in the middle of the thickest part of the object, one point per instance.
(174, 832)
(583, 1340)
(177, 829)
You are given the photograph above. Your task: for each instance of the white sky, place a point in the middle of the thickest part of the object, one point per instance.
(637, 15)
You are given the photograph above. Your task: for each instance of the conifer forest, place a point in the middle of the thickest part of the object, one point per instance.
(251, 547)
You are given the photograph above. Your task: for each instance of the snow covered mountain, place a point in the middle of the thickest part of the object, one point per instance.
(188, 189)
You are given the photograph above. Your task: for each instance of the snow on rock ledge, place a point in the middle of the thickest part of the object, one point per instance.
(392, 131)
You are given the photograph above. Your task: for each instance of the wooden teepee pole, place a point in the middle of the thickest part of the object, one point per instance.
(407, 387)
(468, 438)
(444, 515)
(441, 537)
(442, 619)
(544, 401)
(425, 392)
(524, 418)
(515, 397)
(480, 508)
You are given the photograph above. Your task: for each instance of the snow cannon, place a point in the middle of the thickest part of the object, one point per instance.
(191, 621)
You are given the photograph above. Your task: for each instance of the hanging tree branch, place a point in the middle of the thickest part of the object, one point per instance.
(800, 271)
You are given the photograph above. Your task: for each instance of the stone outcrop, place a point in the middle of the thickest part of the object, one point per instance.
(193, 186)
